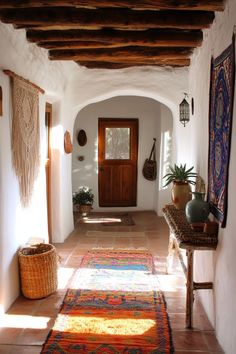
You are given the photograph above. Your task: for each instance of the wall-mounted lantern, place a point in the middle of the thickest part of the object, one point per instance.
(184, 111)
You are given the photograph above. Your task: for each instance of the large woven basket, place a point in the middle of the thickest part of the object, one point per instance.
(38, 270)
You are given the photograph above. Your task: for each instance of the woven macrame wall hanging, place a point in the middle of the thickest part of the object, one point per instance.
(25, 136)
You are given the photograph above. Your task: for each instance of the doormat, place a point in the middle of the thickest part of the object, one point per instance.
(115, 234)
(106, 219)
(111, 321)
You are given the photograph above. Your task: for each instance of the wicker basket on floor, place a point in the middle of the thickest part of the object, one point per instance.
(38, 270)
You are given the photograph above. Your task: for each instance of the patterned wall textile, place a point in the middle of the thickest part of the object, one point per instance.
(25, 136)
(220, 122)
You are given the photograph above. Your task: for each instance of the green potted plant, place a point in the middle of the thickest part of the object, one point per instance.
(83, 199)
(181, 178)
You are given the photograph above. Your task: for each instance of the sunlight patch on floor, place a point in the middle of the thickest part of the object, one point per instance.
(109, 279)
(64, 275)
(171, 283)
(23, 321)
(100, 220)
(104, 325)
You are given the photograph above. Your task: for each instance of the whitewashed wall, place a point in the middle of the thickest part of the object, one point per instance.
(218, 266)
(17, 224)
(150, 117)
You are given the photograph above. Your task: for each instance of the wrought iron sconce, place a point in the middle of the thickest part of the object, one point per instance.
(184, 111)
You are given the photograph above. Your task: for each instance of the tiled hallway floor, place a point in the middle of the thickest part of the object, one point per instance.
(27, 323)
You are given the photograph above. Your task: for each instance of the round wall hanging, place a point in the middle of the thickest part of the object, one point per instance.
(82, 138)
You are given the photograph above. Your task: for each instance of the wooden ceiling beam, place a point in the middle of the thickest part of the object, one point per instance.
(76, 45)
(114, 44)
(113, 38)
(205, 5)
(110, 18)
(126, 54)
(121, 65)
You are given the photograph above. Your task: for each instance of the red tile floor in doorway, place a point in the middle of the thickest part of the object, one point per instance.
(27, 323)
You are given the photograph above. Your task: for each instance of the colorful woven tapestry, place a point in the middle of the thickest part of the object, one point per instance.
(111, 321)
(220, 122)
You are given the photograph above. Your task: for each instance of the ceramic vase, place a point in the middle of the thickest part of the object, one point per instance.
(197, 210)
(180, 194)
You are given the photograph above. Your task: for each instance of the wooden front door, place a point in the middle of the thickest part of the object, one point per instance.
(117, 162)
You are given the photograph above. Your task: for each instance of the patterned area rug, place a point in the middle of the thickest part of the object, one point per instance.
(98, 321)
(105, 219)
(118, 259)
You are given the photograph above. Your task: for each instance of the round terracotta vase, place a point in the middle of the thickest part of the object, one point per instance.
(180, 194)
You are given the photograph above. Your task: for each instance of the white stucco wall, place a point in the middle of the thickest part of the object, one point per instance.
(17, 224)
(150, 115)
(218, 266)
(167, 156)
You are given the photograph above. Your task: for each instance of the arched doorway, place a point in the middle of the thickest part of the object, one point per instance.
(154, 120)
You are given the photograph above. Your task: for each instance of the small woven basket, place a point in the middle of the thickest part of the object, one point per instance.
(38, 270)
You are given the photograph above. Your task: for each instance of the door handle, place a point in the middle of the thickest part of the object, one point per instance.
(101, 168)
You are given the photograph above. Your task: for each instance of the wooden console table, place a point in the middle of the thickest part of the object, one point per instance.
(183, 236)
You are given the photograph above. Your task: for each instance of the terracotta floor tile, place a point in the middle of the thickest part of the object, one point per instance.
(5, 349)
(189, 340)
(25, 349)
(176, 304)
(177, 320)
(138, 242)
(33, 337)
(211, 341)
(194, 352)
(8, 334)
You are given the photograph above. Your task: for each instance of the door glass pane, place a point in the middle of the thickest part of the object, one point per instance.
(117, 143)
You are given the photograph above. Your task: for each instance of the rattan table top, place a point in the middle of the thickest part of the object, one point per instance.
(185, 235)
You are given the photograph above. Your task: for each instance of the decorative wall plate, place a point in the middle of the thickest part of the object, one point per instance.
(82, 138)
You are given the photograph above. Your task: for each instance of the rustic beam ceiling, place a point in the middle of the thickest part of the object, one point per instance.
(114, 34)
(206, 5)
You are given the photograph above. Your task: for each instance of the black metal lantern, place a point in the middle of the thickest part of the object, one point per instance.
(184, 111)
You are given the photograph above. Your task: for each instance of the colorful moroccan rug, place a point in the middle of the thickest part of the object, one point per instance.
(95, 321)
(118, 259)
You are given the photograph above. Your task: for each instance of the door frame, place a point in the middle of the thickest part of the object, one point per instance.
(48, 111)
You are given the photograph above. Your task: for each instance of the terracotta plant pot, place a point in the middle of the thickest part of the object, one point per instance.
(85, 209)
(180, 194)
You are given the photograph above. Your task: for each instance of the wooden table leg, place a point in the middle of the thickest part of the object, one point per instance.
(189, 295)
(171, 252)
